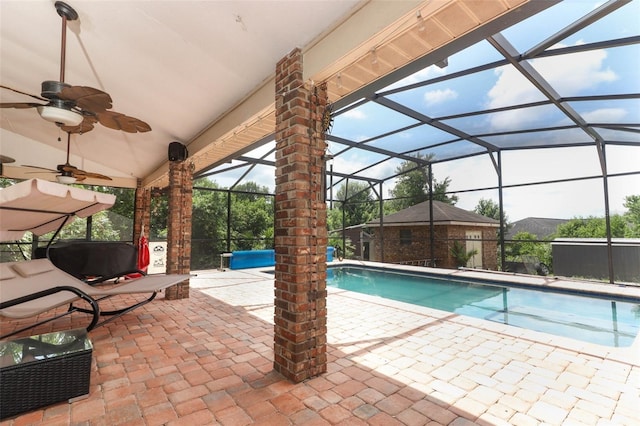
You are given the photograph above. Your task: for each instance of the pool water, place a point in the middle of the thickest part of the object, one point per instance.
(591, 319)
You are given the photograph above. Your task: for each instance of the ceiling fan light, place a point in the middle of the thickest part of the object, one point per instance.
(65, 179)
(62, 116)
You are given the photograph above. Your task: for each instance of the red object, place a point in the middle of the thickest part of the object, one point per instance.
(143, 257)
(143, 253)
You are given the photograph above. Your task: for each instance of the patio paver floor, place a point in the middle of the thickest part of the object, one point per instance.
(208, 360)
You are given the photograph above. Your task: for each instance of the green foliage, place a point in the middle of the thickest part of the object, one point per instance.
(209, 214)
(460, 253)
(102, 229)
(356, 200)
(120, 214)
(251, 220)
(347, 251)
(440, 191)
(5, 182)
(591, 227)
(632, 216)
(489, 208)
(159, 216)
(525, 244)
(114, 224)
(412, 186)
(251, 217)
(208, 224)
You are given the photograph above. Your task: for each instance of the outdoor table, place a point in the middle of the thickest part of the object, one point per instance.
(41, 370)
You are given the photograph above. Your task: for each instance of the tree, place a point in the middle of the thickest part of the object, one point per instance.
(412, 186)
(252, 218)
(208, 224)
(120, 214)
(489, 208)
(526, 244)
(355, 199)
(632, 215)
(592, 227)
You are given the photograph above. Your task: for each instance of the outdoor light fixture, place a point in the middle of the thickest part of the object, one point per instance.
(420, 21)
(65, 117)
(65, 179)
(374, 57)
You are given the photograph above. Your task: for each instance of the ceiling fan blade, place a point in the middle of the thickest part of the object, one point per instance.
(94, 175)
(115, 120)
(78, 173)
(19, 105)
(87, 98)
(41, 168)
(23, 93)
(84, 127)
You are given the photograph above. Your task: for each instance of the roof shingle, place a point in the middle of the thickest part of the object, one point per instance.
(442, 213)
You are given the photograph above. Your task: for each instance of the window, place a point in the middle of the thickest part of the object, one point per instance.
(405, 237)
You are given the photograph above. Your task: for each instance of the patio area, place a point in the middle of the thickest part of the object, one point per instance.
(208, 360)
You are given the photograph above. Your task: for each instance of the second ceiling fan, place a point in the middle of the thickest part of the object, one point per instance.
(66, 173)
(75, 109)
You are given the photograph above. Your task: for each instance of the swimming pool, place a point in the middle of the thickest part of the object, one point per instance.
(605, 321)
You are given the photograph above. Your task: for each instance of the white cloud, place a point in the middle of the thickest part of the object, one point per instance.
(356, 114)
(348, 163)
(605, 115)
(438, 96)
(571, 74)
(511, 88)
(576, 72)
(422, 75)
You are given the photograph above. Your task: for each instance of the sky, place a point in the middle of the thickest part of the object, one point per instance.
(596, 72)
(580, 74)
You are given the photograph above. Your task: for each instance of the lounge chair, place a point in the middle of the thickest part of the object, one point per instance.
(33, 287)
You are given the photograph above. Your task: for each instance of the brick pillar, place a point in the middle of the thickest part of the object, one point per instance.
(179, 226)
(300, 226)
(142, 214)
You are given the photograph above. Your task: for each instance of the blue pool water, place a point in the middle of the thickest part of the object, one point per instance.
(591, 319)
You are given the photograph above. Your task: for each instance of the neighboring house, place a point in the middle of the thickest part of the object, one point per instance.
(539, 226)
(405, 236)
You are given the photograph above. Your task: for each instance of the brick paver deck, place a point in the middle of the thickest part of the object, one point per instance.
(208, 360)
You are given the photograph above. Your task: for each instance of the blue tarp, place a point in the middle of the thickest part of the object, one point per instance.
(243, 259)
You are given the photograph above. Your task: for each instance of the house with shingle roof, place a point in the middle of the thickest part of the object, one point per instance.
(406, 236)
(541, 227)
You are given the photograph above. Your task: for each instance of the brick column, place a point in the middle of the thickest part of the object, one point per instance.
(300, 226)
(179, 226)
(142, 214)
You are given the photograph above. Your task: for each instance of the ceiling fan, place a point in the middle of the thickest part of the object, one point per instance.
(67, 172)
(75, 109)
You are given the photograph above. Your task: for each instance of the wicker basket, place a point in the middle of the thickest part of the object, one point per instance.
(46, 374)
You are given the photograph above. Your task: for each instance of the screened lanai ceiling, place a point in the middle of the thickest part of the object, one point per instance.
(567, 78)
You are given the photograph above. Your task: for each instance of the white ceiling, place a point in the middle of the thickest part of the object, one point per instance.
(178, 65)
